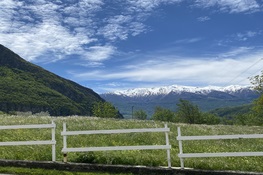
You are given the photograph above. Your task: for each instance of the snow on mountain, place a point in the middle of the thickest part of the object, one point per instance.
(140, 92)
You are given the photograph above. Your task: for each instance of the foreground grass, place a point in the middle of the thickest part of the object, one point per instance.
(133, 157)
(29, 171)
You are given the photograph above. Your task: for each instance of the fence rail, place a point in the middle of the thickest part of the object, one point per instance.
(66, 133)
(36, 142)
(182, 155)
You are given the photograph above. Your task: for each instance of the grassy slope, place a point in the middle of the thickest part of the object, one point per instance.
(150, 158)
(27, 87)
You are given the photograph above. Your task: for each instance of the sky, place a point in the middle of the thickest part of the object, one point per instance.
(110, 45)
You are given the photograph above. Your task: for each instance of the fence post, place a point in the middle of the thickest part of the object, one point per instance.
(168, 150)
(53, 140)
(64, 142)
(180, 147)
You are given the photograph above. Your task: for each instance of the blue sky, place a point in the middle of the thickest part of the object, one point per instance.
(110, 45)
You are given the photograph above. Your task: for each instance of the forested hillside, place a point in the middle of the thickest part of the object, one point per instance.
(27, 87)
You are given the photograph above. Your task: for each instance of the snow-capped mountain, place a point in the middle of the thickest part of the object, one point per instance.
(207, 98)
(140, 92)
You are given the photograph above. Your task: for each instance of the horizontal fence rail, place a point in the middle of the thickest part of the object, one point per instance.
(52, 142)
(182, 155)
(117, 131)
(66, 133)
(39, 126)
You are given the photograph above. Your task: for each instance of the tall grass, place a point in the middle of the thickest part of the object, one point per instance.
(133, 157)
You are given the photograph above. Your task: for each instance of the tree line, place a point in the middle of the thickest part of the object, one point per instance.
(187, 113)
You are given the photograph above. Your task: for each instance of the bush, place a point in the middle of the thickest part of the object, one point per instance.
(105, 110)
(140, 114)
(163, 115)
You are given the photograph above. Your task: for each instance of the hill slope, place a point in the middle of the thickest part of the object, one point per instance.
(229, 112)
(27, 87)
(207, 98)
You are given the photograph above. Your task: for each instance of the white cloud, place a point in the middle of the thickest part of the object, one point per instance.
(231, 6)
(131, 21)
(59, 28)
(240, 36)
(188, 40)
(203, 18)
(33, 29)
(206, 71)
(149, 5)
(247, 35)
(36, 28)
(119, 27)
(99, 53)
(46, 37)
(235, 52)
(90, 64)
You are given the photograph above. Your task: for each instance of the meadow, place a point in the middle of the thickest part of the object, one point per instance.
(133, 157)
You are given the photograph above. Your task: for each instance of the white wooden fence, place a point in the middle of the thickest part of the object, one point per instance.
(182, 155)
(37, 142)
(66, 133)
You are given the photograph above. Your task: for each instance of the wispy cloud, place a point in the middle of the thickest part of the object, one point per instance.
(99, 53)
(119, 27)
(230, 6)
(240, 37)
(182, 70)
(247, 35)
(33, 29)
(37, 28)
(203, 18)
(90, 64)
(233, 53)
(148, 5)
(88, 28)
(188, 40)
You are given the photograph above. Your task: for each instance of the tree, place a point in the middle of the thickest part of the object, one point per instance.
(257, 81)
(163, 114)
(140, 114)
(210, 119)
(188, 112)
(105, 110)
(257, 110)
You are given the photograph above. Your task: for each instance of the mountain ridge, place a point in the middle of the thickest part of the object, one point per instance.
(164, 90)
(27, 87)
(206, 98)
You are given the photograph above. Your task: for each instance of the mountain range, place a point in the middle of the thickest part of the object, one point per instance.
(206, 98)
(27, 87)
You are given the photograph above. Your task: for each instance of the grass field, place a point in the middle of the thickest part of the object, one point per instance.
(137, 157)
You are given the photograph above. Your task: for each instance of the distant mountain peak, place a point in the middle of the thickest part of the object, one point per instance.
(206, 98)
(164, 90)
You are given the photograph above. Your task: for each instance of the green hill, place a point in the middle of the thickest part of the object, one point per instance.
(232, 111)
(27, 87)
